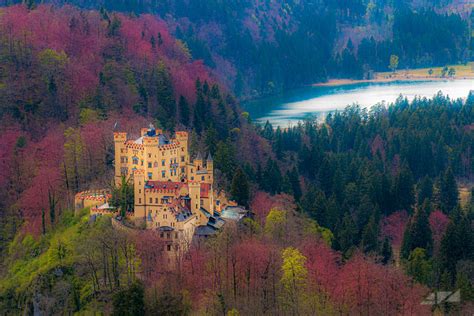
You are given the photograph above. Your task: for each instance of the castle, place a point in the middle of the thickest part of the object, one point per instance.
(172, 193)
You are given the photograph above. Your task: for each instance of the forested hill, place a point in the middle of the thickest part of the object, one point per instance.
(267, 46)
(67, 76)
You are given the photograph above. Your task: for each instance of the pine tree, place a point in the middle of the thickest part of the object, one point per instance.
(404, 190)
(294, 180)
(449, 194)
(346, 234)
(369, 242)
(457, 243)
(386, 252)
(184, 111)
(424, 190)
(240, 191)
(165, 98)
(418, 233)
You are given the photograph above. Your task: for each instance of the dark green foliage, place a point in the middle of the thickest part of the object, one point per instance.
(123, 196)
(184, 111)
(424, 189)
(271, 178)
(294, 181)
(369, 242)
(449, 194)
(129, 301)
(240, 191)
(457, 243)
(169, 304)
(346, 234)
(404, 193)
(386, 252)
(166, 111)
(418, 233)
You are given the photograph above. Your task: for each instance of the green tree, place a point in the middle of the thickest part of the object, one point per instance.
(369, 242)
(386, 252)
(451, 72)
(346, 234)
(293, 279)
(184, 111)
(123, 196)
(419, 266)
(457, 243)
(240, 190)
(448, 195)
(166, 113)
(169, 304)
(294, 181)
(393, 62)
(129, 301)
(424, 190)
(418, 232)
(275, 224)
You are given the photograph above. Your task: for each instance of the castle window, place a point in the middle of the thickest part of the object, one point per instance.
(163, 173)
(149, 165)
(192, 178)
(156, 200)
(162, 235)
(155, 164)
(168, 247)
(139, 190)
(142, 162)
(135, 160)
(149, 155)
(168, 236)
(182, 169)
(182, 158)
(202, 178)
(139, 201)
(150, 175)
(163, 162)
(151, 200)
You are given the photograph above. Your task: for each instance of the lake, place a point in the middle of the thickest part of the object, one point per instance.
(296, 105)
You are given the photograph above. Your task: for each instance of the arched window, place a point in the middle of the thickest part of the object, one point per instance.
(135, 160)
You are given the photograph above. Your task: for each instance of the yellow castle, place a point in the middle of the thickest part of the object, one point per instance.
(171, 191)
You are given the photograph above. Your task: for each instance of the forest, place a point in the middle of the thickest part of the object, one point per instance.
(356, 214)
(265, 47)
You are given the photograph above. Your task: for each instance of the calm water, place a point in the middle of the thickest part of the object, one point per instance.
(296, 105)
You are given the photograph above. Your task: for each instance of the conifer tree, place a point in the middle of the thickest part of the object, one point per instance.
(240, 191)
(369, 242)
(449, 194)
(184, 111)
(346, 234)
(418, 232)
(386, 252)
(294, 180)
(457, 243)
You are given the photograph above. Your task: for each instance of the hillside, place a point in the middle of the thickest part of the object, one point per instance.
(356, 214)
(258, 47)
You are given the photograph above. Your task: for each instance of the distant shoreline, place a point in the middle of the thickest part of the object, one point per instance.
(343, 82)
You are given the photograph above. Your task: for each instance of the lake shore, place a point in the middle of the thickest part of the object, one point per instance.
(344, 82)
(461, 72)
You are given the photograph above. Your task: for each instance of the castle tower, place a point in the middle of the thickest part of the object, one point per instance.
(195, 195)
(120, 157)
(198, 161)
(139, 192)
(210, 169)
(150, 144)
